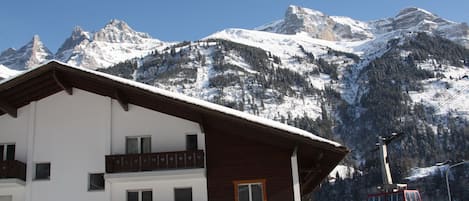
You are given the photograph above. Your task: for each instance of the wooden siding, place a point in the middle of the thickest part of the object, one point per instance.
(231, 157)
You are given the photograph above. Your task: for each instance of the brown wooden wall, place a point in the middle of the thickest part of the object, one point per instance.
(232, 157)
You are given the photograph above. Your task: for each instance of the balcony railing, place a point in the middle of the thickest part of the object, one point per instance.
(154, 161)
(12, 169)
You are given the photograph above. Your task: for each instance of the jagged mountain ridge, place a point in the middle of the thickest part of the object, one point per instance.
(31, 54)
(114, 43)
(337, 28)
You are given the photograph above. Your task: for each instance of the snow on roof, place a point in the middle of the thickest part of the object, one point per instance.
(201, 103)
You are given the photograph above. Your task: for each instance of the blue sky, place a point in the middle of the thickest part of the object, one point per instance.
(178, 20)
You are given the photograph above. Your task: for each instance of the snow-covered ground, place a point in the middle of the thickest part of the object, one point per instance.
(343, 172)
(446, 95)
(418, 173)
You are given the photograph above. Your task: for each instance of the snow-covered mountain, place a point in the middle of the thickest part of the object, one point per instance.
(31, 54)
(396, 74)
(338, 28)
(337, 77)
(319, 25)
(114, 43)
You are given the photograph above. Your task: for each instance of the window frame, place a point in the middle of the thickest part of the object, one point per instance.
(196, 142)
(5, 151)
(139, 193)
(184, 188)
(89, 182)
(35, 171)
(139, 144)
(237, 183)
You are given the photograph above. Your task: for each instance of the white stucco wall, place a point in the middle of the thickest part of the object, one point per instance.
(70, 133)
(162, 184)
(15, 130)
(168, 133)
(75, 132)
(16, 193)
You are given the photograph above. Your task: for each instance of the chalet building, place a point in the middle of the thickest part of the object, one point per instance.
(68, 133)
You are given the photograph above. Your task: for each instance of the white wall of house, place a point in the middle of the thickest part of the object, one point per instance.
(15, 130)
(15, 193)
(168, 133)
(75, 133)
(162, 184)
(70, 133)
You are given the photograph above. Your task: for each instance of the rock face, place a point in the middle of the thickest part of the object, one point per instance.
(419, 20)
(31, 54)
(78, 37)
(335, 28)
(319, 25)
(117, 31)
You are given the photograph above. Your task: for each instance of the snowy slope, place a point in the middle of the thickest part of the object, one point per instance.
(447, 95)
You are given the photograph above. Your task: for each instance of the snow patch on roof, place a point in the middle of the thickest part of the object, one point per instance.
(6, 72)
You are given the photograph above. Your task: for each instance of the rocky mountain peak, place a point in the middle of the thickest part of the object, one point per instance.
(318, 25)
(302, 12)
(31, 54)
(117, 31)
(78, 37)
(418, 18)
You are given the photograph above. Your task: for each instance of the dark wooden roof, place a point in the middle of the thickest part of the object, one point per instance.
(55, 77)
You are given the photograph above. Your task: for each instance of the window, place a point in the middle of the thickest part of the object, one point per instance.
(96, 182)
(138, 145)
(5, 198)
(183, 194)
(191, 142)
(7, 152)
(250, 190)
(139, 195)
(42, 171)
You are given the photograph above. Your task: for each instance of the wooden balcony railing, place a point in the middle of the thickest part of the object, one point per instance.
(11, 169)
(154, 161)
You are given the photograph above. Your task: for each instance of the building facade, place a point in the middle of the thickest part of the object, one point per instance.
(68, 133)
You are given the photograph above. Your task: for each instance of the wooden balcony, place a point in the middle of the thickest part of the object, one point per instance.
(154, 161)
(12, 169)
